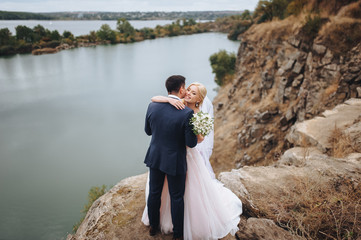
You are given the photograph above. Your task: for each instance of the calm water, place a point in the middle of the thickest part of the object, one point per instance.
(76, 27)
(73, 120)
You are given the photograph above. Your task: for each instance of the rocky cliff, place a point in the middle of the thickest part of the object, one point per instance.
(308, 192)
(284, 77)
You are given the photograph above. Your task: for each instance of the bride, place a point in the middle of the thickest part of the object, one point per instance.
(211, 211)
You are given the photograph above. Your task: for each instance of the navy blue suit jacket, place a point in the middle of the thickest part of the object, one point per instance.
(171, 132)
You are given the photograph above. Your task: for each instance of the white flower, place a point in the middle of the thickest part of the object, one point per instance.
(202, 123)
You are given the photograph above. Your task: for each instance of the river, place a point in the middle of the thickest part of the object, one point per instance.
(75, 119)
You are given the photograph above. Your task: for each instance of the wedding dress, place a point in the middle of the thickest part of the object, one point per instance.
(211, 211)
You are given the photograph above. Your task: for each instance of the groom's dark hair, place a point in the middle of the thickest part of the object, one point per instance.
(174, 83)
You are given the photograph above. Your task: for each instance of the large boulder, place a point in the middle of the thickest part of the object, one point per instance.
(249, 183)
(296, 181)
(317, 131)
(117, 214)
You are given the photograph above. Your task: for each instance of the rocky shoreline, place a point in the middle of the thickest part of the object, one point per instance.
(61, 47)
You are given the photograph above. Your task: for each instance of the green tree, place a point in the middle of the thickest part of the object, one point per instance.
(189, 22)
(5, 36)
(106, 33)
(173, 29)
(223, 65)
(159, 31)
(24, 33)
(39, 32)
(263, 11)
(295, 7)
(246, 15)
(279, 8)
(312, 26)
(267, 10)
(92, 36)
(238, 28)
(125, 27)
(7, 50)
(147, 33)
(68, 34)
(55, 35)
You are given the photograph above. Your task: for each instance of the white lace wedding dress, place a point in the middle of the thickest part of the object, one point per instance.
(211, 211)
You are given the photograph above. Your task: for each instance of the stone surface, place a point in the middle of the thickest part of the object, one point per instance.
(308, 132)
(281, 89)
(327, 59)
(117, 214)
(298, 156)
(267, 80)
(320, 49)
(289, 65)
(256, 131)
(297, 81)
(257, 185)
(294, 41)
(263, 117)
(298, 67)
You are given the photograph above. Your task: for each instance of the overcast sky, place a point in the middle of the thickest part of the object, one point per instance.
(125, 5)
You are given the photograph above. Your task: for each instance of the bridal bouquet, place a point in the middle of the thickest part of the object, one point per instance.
(202, 123)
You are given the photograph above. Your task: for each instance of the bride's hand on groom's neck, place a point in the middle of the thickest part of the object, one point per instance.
(176, 103)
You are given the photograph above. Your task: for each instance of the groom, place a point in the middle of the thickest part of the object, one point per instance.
(171, 133)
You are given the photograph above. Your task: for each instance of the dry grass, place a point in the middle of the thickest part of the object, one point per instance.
(327, 7)
(316, 209)
(342, 143)
(352, 11)
(341, 34)
(276, 29)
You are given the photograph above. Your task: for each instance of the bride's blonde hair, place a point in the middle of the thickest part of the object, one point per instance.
(201, 89)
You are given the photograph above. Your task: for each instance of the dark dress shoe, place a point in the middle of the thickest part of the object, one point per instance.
(153, 231)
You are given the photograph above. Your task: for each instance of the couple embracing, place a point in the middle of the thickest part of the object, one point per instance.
(182, 196)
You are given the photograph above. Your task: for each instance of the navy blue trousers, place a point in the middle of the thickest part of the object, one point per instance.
(176, 186)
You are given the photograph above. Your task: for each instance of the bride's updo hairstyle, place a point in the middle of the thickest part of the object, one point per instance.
(202, 90)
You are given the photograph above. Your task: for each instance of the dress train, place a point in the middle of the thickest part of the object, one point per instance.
(211, 211)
